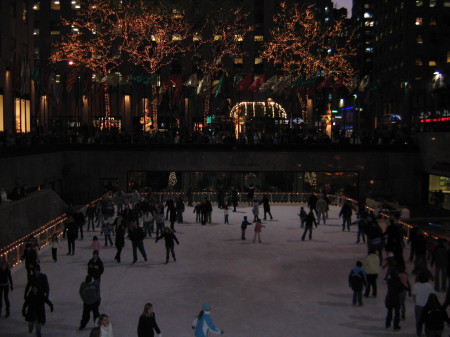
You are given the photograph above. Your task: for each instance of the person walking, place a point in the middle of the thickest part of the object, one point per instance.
(312, 201)
(90, 214)
(258, 229)
(433, 317)
(147, 323)
(31, 258)
(90, 295)
(302, 216)
(309, 222)
(403, 276)
(179, 205)
(372, 269)
(119, 241)
(266, 207)
(95, 266)
(39, 280)
(357, 281)
(420, 292)
(6, 284)
(72, 234)
(106, 230)
(234, 198)
(203, 323)
(55, 246)
(346, 213)
(244, 225)
(34, 310)
(169, 239)
(136, 235)
(440, 259)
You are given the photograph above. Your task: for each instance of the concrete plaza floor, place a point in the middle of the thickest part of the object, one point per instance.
(281, 287)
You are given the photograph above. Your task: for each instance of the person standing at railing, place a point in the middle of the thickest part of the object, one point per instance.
(6, 283)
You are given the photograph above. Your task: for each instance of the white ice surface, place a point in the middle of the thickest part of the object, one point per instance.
(282, 287)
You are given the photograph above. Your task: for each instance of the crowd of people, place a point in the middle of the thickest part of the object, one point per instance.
(137, 217)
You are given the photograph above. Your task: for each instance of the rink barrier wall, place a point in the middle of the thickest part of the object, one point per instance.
(13, 252)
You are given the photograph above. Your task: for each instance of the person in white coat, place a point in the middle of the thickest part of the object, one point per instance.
(105, 325)
(203, 323)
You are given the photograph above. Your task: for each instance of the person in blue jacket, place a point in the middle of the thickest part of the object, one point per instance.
(203, 323)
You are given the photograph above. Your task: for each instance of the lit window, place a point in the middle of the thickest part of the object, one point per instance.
(55, 32)
(24, 13)
(36, 6)
(217, 37)
(367, 15)
(419, 3)
(57, 78)
(258, 60)
(238, 38)
(238, 60)
(258, 38)
(419, 39)
(75, 4)
(419, 21)
(369, 50)
(448, 57)
(419, 62)
(177, 13)
(36, 31)
(75, 30)
(432, 3)
(446, 3)
(176, 37)
(55, 5)
(432, 63)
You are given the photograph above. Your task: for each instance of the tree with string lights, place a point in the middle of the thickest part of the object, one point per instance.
(220, 37)
(94, 42)
(152, 37)
(304, 47)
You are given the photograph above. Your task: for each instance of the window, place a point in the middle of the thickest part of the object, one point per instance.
(432, 3)
(217, 37)
(432, 63)
(55, 5)
(75, 4)
(54, 28)
(238, 38)
(419, 62)
(196, 37)
(36, 6)
(258, 60)
(36, 31)
(258, 38)
(238, 60)
(176, 37)
(24, 13)
(446, 3)
(419, 3)
(367, 15)
(57, 78)
(419, 39)
(2, 126)
(419, 21)
(448, 57)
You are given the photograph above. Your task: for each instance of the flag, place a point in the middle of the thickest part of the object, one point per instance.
(257, 84)
(266, 86)
(245, 83)
(219, 85)
(192, 81)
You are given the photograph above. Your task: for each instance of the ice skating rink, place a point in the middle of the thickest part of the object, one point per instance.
(280, 287)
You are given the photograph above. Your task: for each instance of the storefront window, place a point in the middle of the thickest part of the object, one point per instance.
(439, 191)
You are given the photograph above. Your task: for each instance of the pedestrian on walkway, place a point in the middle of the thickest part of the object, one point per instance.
(147, 323)
(244, 225)
(321, 209)
(258, 229)
(106, 230)
(393, 300)
(105, 326)
(90, 214)
(159, 219)
(421, 291)
(6, 283)
(31, 259)
(90, 295)
(39, 280)
(179, 205)
(169, 239)
(357, 281)
(147, 223)
(403, 275)
(440, 259)
(309, 222)
(226, 214)
(255, 211)
(34, 310)
(203, 323)
(136, 235)
(55, 246)
(71, 229)
(346, 213)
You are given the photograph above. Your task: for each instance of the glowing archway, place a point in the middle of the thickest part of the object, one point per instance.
(248, 110)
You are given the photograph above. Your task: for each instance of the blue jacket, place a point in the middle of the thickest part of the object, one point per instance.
(203, 325)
